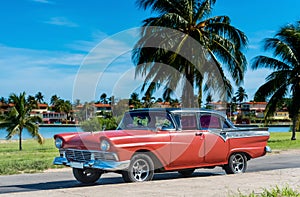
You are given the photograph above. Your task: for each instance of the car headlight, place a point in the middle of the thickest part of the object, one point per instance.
(104, 145)
(58, 142)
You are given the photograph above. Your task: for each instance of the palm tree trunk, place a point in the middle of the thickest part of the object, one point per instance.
(20, 140)
(200, 95)
(295, 119)
(188, 90)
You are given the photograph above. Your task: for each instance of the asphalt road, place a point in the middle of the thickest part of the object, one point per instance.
(62, 182)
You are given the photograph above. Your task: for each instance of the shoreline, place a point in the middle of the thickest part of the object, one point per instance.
(59, 125)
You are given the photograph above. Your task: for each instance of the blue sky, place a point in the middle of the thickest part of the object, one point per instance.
(45, 45)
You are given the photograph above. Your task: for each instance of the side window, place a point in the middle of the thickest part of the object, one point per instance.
(209, 121)
(188, 122)
(162, 120)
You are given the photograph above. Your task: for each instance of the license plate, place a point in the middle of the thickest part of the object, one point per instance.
(76, 165)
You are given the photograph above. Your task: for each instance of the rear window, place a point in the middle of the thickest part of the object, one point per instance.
(186, 121)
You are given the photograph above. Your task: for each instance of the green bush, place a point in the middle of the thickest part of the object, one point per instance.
(99, 124)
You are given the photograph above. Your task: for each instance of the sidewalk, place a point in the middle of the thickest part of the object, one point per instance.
(219, 185)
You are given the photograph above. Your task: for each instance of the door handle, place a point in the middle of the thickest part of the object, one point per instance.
(198, 134)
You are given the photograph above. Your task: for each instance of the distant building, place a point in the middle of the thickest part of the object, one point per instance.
(218, 106)
(282, 115)
(255, 108)
(41, 108)
(102, 109)
(48, 117)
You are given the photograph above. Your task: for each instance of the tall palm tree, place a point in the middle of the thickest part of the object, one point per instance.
(182, 45)
(19, 118)
(285, 78)
(241, 95)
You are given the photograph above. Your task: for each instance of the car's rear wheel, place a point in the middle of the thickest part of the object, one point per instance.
(237, 163)
(141, 169)
(186, 172)
(87, 175)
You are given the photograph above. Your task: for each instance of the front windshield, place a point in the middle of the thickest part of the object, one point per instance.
(146, 120)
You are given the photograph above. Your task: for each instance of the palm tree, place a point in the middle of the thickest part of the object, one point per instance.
(285, 78)
(148, 100)
(39, 97)
(19, 118)
(3, 100)
(32, 101)
(241, 95)
(135, 101)
(103, 98)
(54, 99)
(182, 45)
(63, 106)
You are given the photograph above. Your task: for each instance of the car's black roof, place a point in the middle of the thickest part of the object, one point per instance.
(176, 110)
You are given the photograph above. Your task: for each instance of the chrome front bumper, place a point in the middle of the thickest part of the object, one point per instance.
(92, 160)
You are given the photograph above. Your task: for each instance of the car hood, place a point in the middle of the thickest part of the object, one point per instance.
(91, 140)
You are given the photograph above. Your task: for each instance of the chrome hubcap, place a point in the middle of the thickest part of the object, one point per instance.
(238, 163)
(140, 170)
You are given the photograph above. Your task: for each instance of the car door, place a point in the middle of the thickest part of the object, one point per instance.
(216, 146)
(187, 143)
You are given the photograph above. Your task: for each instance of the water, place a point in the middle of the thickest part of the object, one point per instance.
(47, 132)
(279, 129)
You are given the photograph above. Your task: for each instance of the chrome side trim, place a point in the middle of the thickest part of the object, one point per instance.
(231, 134)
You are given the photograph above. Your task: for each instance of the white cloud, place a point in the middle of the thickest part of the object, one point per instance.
(51, 72)
(61, 21)
(56, 72)
(21, 57)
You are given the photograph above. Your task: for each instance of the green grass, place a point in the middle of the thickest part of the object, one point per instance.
(282, 141)
(33, 158)
(274, 192)
(36, 158)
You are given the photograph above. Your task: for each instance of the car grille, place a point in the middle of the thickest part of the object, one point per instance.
(83, 155)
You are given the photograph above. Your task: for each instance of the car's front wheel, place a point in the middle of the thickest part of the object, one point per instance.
(141, 169)
(87, 175)
(237, 163)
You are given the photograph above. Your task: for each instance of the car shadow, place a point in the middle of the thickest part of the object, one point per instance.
(52, 185)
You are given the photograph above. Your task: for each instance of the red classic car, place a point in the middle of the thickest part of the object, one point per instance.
(161, 140)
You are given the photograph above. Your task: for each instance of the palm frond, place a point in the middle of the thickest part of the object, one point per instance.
(274, 100)
(282, 50)
(268, 62)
